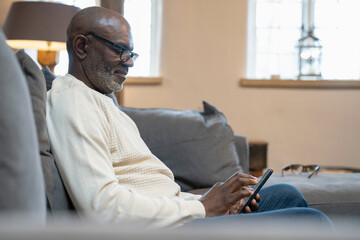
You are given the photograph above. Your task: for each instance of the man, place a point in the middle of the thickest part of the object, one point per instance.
(106, 167)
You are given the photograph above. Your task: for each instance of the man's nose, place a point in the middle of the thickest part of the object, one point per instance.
(128, 63)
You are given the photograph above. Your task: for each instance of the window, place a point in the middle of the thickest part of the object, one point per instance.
(145, 20)
(275, 28)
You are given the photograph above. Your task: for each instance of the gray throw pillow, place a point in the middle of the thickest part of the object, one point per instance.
(56, 195)
(198, 146)
(49, 77)
(22, 185)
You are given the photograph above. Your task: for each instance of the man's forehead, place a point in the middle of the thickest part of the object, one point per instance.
(114, 25)
(120, 34)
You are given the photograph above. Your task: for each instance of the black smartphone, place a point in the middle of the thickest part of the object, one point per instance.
(257, 187)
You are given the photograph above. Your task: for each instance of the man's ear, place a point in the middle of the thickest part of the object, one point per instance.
(80, 44)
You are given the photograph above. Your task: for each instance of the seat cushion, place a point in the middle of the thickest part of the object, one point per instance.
(58, 200)
(198, 146)
(22, 184)
(333, 194)
(49, 77)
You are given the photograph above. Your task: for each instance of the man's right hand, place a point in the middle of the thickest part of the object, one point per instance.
(222, 196)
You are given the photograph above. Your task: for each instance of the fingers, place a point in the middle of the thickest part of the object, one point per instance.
(257, 197)
(254, 206)
(247, 209)
(236, 208)
(240, 175)
(241, 194)
(238, 181)
(233, 210)
(246, 191)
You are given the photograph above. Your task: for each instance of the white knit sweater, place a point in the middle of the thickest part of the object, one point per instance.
(106, 167)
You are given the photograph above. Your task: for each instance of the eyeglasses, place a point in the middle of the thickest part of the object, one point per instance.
(299, 168)
(125, 54)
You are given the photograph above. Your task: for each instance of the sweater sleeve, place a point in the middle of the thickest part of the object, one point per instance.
(79, 134)
(190, 196)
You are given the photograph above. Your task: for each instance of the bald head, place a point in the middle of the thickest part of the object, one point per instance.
(98, 20)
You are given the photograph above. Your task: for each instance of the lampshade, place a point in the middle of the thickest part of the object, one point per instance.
(38, 25)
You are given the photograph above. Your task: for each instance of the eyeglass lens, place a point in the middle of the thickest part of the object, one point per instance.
(126, 55)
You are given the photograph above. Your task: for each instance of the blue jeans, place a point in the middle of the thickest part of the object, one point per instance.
(281, 202)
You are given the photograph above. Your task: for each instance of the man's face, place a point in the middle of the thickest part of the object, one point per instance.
(103, 66)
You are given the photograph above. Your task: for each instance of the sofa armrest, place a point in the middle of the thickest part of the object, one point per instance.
(242, 149)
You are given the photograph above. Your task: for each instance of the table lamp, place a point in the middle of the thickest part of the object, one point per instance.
(41, 26)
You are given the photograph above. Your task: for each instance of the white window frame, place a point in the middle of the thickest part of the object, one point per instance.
(251, 36)
(251, 40)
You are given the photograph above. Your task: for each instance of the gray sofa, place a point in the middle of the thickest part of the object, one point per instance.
(198, 146)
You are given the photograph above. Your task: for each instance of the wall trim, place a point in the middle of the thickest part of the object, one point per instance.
(143, 81)
(288, 83)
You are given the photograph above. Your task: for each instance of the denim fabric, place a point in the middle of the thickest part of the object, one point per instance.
(280, 196)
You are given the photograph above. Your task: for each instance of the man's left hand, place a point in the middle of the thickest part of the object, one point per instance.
(236, 208)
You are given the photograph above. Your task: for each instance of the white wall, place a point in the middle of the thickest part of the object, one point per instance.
(204, 56)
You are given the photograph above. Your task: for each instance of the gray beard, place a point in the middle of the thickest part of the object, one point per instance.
(106, 80)
(109, 82)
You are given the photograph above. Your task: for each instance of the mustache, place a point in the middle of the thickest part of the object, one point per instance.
(122, 71)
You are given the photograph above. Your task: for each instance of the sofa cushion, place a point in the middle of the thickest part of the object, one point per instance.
(49, 77)
(22, 184)
(333, 194)
(36, 84)
(198, 146)
(56, 195)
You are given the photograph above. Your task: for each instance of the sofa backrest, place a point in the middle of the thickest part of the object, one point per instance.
(57, 199)
(198, 146)
(22, 182)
